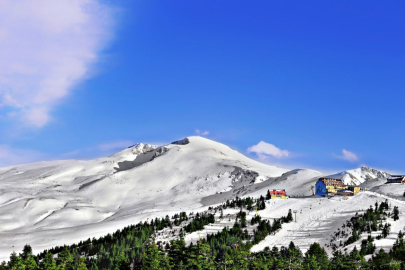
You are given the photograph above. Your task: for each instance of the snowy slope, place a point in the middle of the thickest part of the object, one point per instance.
(360, 175)
(61, 202)
(319, 218)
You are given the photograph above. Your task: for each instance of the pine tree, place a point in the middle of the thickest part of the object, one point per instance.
(15, 263)
(27, 251)
(177, 252)
(311, 263)
(294, 257)
(65, 259)
(382, 259)
(81, 265)
(268, 195)
(396, 213)
(49, 262)
(27, 258)
(121, 261)
(151, 260)
(199, 256)
(316, 252)
(398, 249)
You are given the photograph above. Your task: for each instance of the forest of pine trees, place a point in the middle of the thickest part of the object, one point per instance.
(134, 247)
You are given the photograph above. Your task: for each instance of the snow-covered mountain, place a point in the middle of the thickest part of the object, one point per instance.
(63, 202)
(360, 175)
(39, 202)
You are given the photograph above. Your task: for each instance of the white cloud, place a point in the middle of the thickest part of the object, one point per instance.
(10, 156)
(47, 47)
(347, 155)
(265, 150)
(114, 145)
(200, 132)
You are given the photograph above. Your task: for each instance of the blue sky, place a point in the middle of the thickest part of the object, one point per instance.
(319, 83)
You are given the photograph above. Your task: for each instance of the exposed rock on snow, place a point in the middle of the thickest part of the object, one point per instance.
(182, 142)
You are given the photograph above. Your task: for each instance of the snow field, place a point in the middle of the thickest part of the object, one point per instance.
(46, 204)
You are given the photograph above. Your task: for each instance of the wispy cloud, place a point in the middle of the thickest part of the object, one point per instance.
(46, 47)
(265, 150)
(200, 132)
(11, 156)
(347, 155)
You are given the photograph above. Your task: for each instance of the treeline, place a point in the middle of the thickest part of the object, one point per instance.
(132, 248)
(202, 256)
(113, 251)
(220, 252)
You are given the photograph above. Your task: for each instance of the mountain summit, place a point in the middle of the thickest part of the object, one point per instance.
(360, 175)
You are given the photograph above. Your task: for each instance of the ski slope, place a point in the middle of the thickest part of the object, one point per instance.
(61, 202)
(46, 204)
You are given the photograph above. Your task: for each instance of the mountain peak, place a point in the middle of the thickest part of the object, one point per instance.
(360, 175)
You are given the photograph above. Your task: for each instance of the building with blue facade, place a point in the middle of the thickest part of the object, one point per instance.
(320, 188)
(328, 186)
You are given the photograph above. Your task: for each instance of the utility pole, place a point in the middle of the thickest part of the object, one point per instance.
(222, 214)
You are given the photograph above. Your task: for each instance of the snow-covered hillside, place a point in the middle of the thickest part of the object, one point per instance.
(360, 175)
(54, 203)
(60, 202)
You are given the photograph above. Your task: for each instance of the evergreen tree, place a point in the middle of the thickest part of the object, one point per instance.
(121, 262)
(15, 263)
(177, 252)
(395, 213)
(383, 260)
(27, 251)
(49, 263)
(28, 259)
(311, 263)
(65, 259)
(398, 249)
(268, 195)
(30, 263)
(81, 265)
(153, 259)
(316, 252)
(199, 256)
(294, 257)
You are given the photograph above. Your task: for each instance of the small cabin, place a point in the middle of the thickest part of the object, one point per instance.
(328, 186)
(400, 179)
(278, 194)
